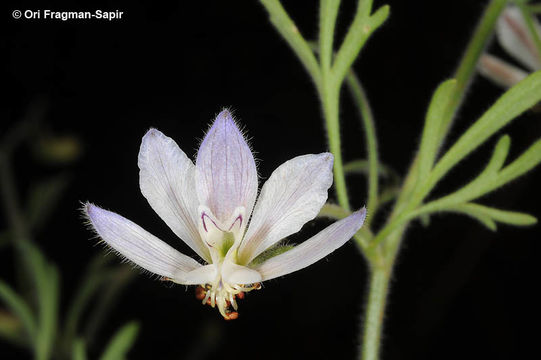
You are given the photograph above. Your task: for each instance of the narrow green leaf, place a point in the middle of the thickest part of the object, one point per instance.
(425, 220)
(48, 312)
(90, 283)
(388, 194)
(289, 31)
(109, 293)
(79, 350)
(510, 105)
(333, 211)
(19, 307)
(482, 184)
(524, 163)
(433, 123)
(483, 218)
(367, 120)
(361, 28)
(361, 166)
(498, 156)
(121, 342)
(380, 16)
(503, 216)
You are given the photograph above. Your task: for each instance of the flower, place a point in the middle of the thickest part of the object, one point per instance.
(212, 207)
(517, 40)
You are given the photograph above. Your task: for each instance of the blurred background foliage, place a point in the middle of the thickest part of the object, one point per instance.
(80, 97)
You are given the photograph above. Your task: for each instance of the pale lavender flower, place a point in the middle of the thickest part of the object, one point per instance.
(212, 207)
(516, 39)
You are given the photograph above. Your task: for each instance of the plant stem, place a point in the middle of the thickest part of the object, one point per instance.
(375, 308)
(361, 100)
(466, 69)
(289, 31)
(390, 237)
(330, 103)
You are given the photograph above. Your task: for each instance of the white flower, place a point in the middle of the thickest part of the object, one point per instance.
(210, 206)
(517, 40)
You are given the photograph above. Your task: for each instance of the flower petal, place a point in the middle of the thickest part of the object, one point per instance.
(237, 274)
(499, 71)
(167, 181)
(226, 175)
(515, 38)
(313, 249)
(292, 196)
(138, 245)
(202, 275)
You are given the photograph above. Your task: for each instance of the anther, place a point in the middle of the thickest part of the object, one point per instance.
(200, 293)
(231, 315)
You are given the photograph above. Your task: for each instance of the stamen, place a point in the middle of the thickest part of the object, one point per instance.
(225, 296)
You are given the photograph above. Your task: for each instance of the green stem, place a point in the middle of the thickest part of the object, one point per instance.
(330, 102)
(361, 100)
(328, 10)
(412, 194)
(467, 67)
(375, 309)
(413, 190)
(289, 31)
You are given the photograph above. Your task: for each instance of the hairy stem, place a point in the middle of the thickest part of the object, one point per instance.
(375, 308)
(361, 101)
(389, 238)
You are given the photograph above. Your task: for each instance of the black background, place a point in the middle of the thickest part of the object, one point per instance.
(459, 290)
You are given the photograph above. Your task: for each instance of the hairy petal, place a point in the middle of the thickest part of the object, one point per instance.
(226, 175)
(515, 38)
(292, 196)
(202, 275)
(313, 249)
(236, 274)
(138, 245)
(167, 180)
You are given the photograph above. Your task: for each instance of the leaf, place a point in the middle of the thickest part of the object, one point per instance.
(483, 212)
(121, 342)
(524, 163)
(482, 218)
(79, 350)
(435, 116)
(361, 166)
(509, 106)
(333, 211)
(481, 183)
(48, 311)
(90, 283)
(19, 308)
(492, 177)
(380, 16)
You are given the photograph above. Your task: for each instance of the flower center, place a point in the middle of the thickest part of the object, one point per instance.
(224, 295)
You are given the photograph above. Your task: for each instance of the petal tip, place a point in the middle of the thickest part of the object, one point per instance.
(327, 156)
(360, 215)
(152, 133)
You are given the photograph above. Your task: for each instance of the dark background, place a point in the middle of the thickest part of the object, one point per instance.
(459, 290)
